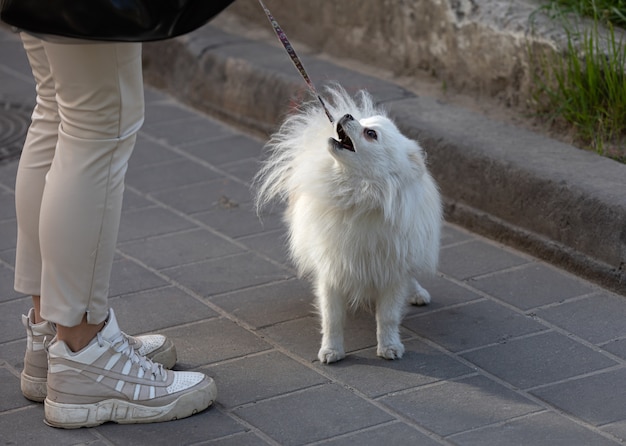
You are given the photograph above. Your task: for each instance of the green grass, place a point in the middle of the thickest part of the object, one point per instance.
(608, 11)
(584, 89)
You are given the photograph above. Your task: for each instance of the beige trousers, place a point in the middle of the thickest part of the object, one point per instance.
(70, 178)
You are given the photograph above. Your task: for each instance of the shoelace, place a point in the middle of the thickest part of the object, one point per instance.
(121, 345)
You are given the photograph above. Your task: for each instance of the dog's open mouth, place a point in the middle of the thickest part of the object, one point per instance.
(344, 141)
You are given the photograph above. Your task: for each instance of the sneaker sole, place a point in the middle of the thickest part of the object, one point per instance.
(34, 389)
(74, 416)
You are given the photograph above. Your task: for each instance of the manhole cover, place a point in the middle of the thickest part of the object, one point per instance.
(14, 122)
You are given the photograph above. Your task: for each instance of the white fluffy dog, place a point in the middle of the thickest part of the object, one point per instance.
(364, 215)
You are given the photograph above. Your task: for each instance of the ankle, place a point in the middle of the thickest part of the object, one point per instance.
(37, 310)
(79, 336)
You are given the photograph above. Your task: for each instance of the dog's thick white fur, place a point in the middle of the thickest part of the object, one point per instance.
(364, 215)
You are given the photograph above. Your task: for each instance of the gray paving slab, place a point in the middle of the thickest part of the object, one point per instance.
(532, 285)
(269, 304)
(182, 309)
(130, 277)
(8, 232)
(168, 175)
(13, 354)
(6, 284)
(150, 222)
(240, 221)
(511, 351)
(10, 389)
(477, 324)
(475, 258)
(454, 406)
(617, 429)
(241, 439)
(227, 274)
(182, 247)
(390, 433)
(616, 347)
(537, 429)
(7, 175)
(225, 150)
(302, 336)
(11, 328)
(244, 170)
(7, 207)
(329, 410)
(133, 200)
(588, 397)
(148, 152)
(271, 244)
(214, 340)
(25, 427)
(597, 318)
(217, 194)
(539, 360)
(240, 384)
(185, 131)
(448, 293)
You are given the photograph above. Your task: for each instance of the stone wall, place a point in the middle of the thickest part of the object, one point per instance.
(476, 46)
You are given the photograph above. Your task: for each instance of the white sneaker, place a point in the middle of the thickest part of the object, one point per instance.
(109, 381)
(34, 375)
(33, 379)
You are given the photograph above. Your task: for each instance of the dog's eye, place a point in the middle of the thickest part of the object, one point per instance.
(371, 134)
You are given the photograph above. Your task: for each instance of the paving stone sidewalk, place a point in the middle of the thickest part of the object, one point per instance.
(512, 351)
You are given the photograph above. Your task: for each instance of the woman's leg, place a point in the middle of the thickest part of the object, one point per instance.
(69, 204)
(35, 162)
(99, 91)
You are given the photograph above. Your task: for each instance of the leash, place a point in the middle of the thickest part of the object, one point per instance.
(294, 57)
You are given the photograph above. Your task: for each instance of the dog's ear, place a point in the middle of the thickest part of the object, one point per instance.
(416, 158)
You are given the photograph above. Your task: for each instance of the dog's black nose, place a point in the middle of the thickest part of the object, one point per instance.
(348, 117)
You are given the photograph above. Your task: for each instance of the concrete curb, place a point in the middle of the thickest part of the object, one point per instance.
(561, 204)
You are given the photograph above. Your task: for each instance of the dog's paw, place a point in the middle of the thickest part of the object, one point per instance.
(421, 296)
(394, 351)
(329, 355)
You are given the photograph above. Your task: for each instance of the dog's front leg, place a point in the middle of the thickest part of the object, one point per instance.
(332, 308)
(389, 312)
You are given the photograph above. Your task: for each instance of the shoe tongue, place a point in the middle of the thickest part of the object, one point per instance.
(44, 328)
(111, 330)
